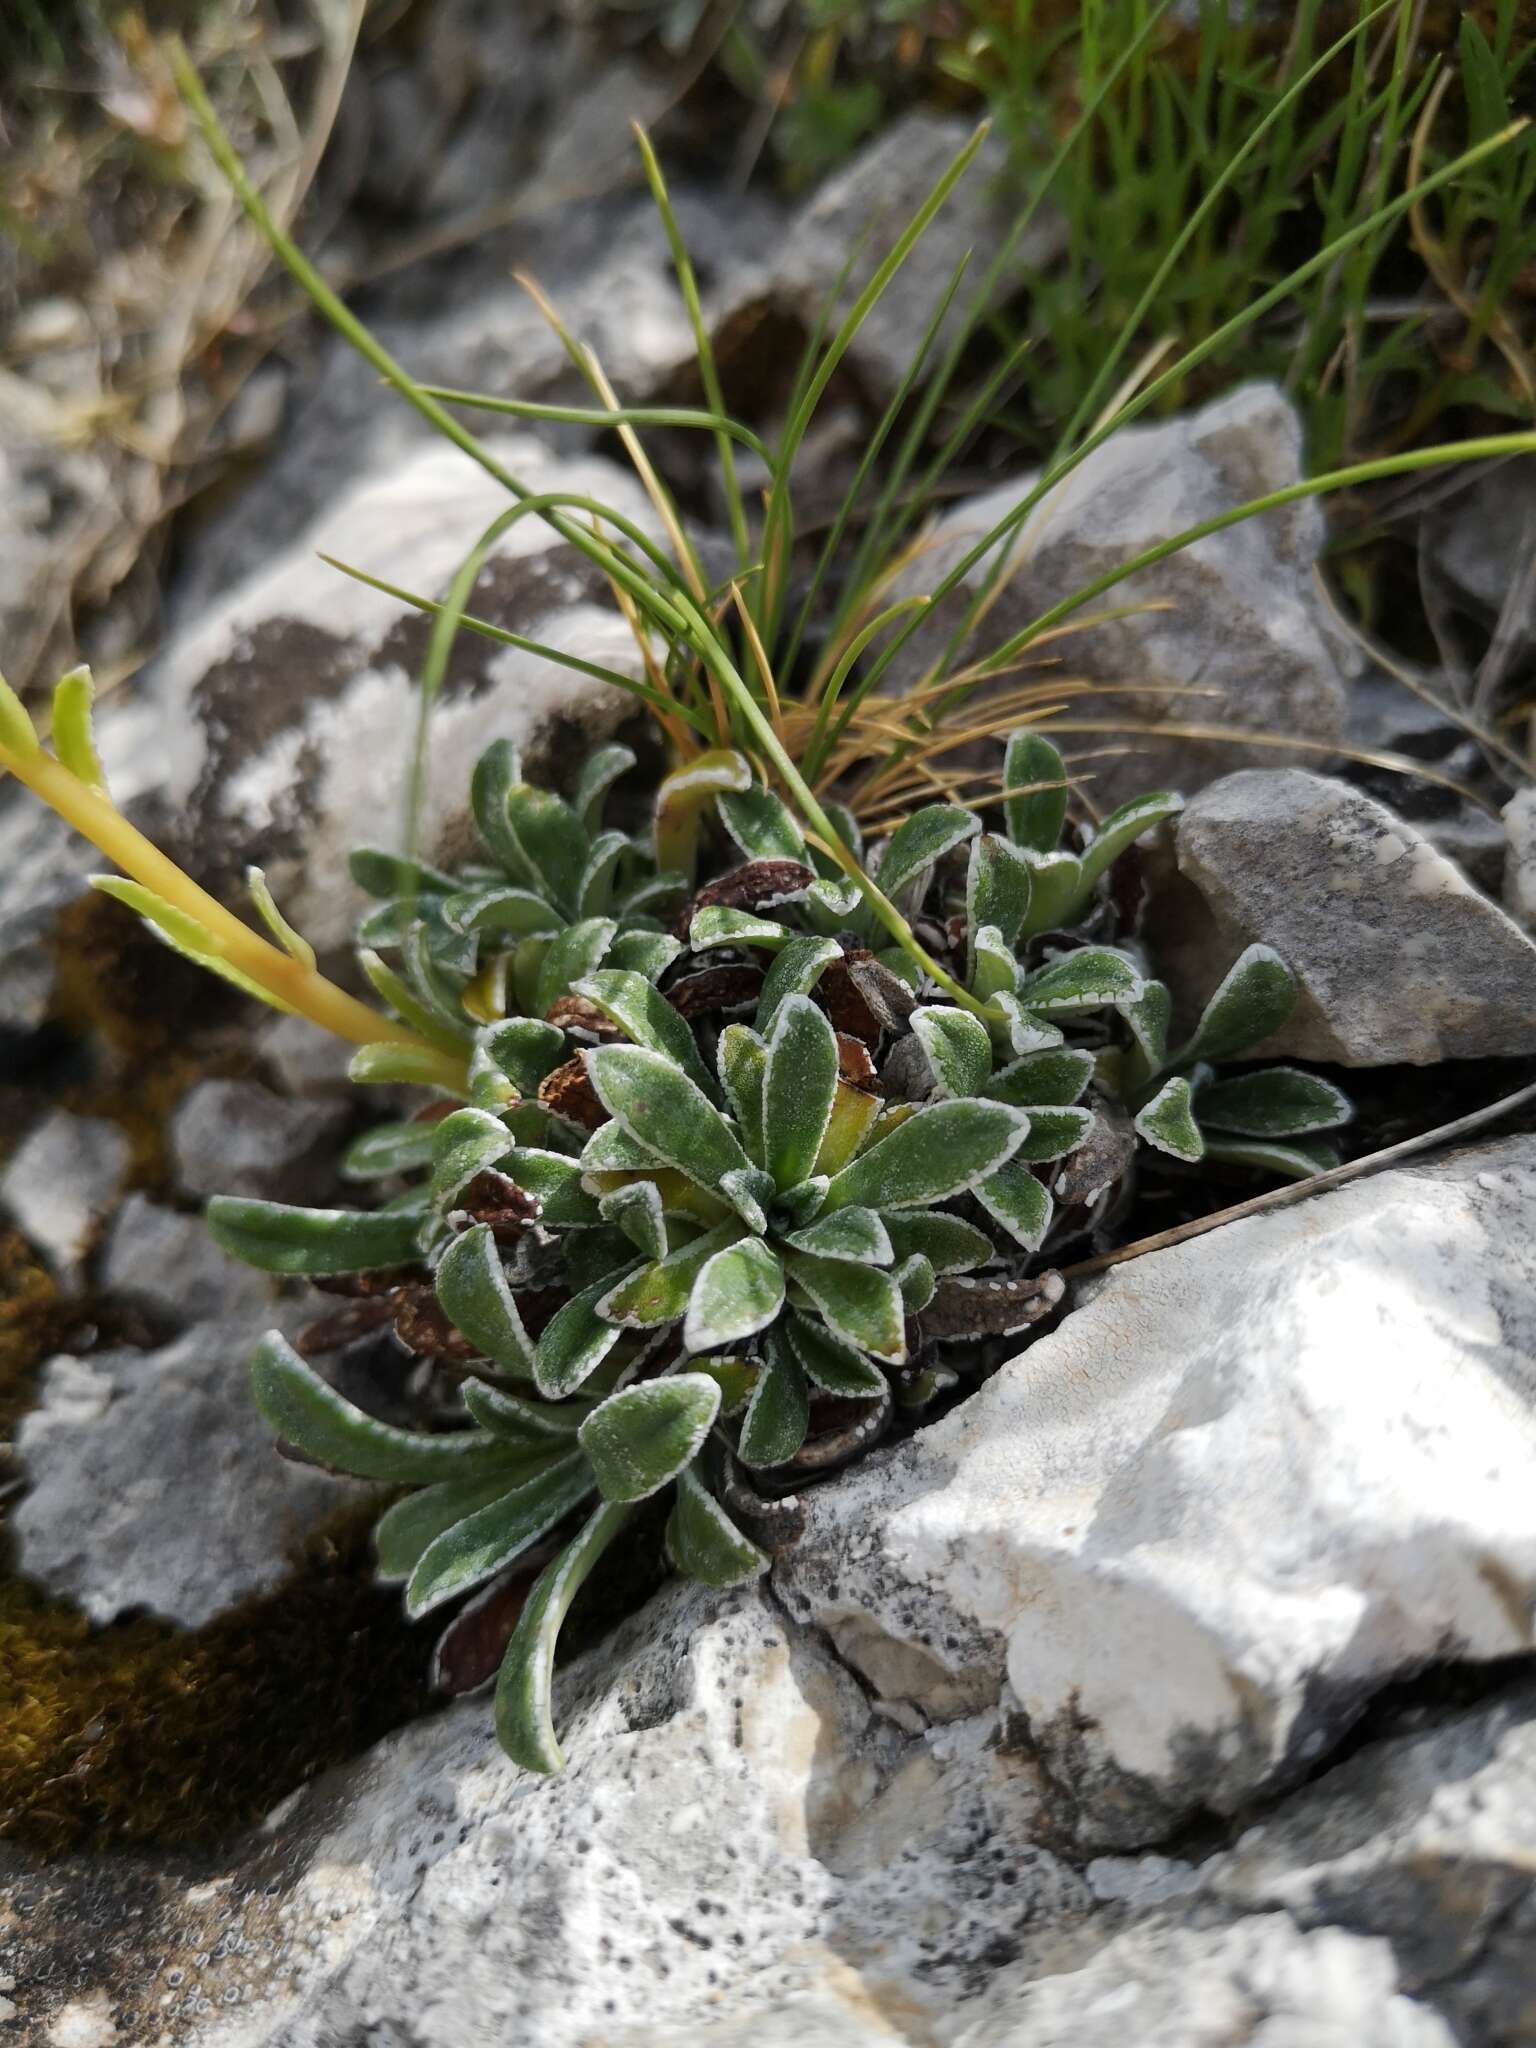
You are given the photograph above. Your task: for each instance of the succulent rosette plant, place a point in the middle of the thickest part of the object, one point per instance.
(714, 1212)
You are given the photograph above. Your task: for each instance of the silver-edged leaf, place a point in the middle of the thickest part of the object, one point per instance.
(958, 1048)
(299, 1407)
(1020, 1203)
(1035, 791)
(387, 1149)
(278, 1237)
(799, 1084)
(524, 1724)
(925, 838)
(573, 1343)
(835, 1367)
(1273, 1102)
(742, 1057)
(779, 1413)
(940, 1151)
(576, 952)
(703, 1542)
(642, 1437)
(795, 972)
(1257, 994)
(658, 1293)
(644, 1015)
(654, 1100)
(1168, 1122)
(857, 1235)
(496, 1535)
(1092, 979)
(760, 824)
(473, 1293)
(1056, 1077)
(636, 1209)
(739, 1291)
(948, 1243)
(860, 1304)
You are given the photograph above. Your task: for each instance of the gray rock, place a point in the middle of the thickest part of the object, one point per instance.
(238, 1138)
(1086, 1527)
(1478, 539)
(60, 1183)
(869, 204)
(152, 1481)
(56, 510)
(305, 1060)
(1520, 858)
(1398, 957)
(742, 1855)
(167, 1262)
(277, 728)
(1241, 625)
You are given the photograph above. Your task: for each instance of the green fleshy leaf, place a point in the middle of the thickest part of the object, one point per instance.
(524, 1726)
(293, 943)
(574, 1343)
(637, 1211)
(739, 1291)
(72, 730)
(599, 772)
(1148, 1015)
(1034, 821)
(278, 1237)
(948, 1243)
(407, 1004)
(556, 1179)
(467, 1142)
(1022, 1031)
(552, 842)
(643, 1437)
(760, 824)
(1168, 1122)
(647, 953)
(525, 1049)
(498, 911)
(612, 1149)
(653, 896)
(576, 953)
(659, 1106)
(539, 1428)
(743, 1062)
(301, 1409)
(404, 1531)
(703, 1543)
(918, 1283)
(387, 1149)
(779, 1413)
(799, 1084)
(735, 1377)
(1053, 1133)
(597, 1259)
(594, 893)
(993, 969)
(860, 1304)
(683, 797)
(718, 925)
(939, 1152)
(1092, 979)
(1056, 888)
(1121, 828)
(17, 732)
(1296, 1160)
(997, 891)
(646, 1016)
(497, 773)
(184, 935)
(795, 1208)
(393, 1066)
(835, 1367)
(473, 1293)
(1015, 1199)
(1055, 1077)
(857, 1235)
(1274, 1102)
(659, 1293)
(496, 1535)
(795, 972)
(830, 907)
(384, 875)
(1256, 996)
(441, 992)
(925, 838)
(958, 1048)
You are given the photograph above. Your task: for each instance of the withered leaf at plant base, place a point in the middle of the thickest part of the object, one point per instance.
(575, 1013)
(756, 885)
(568, 1094)
(1104, 1157)
(346, 1325)
(473, 1644)
(422, 1327)
(716, 989)
(495, 1199)
(963, 1308)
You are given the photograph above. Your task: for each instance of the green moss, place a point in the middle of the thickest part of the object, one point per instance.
(143, 1733)
(32, 1323)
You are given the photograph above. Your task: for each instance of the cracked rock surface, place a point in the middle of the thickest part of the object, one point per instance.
(1398, 956)
(1082, 1534)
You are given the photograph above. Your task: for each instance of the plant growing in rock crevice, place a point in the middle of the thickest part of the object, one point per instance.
(782, 1192)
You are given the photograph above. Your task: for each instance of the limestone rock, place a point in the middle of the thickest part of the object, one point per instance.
(1241, 628)
(152, 1482)
(60, 1183)
(1398, 957)
(167, 1262)
(238, 1138)
(1085, 1527)
(1520, 858)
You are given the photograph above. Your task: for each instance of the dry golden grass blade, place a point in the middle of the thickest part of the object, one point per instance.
(760, 656)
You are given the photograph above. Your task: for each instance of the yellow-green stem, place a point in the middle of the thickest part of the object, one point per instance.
(300, 987)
